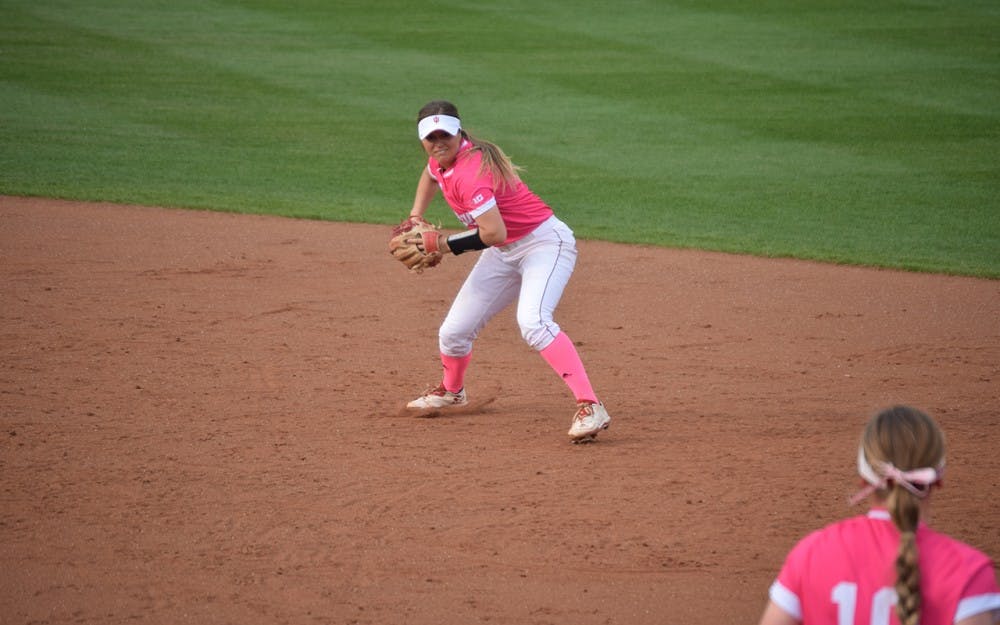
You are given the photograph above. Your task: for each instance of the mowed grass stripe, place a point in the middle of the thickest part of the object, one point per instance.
(851, 133)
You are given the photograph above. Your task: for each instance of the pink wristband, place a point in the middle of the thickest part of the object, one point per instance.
(431, 239)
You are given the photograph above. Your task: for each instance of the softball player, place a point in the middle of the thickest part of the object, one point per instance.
(888, 567)
(528, 255)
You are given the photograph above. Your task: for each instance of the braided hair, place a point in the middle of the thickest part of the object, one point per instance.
(908, 439)
(495, 161)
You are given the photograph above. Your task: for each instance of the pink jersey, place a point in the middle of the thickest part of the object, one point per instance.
(470, 194)
(844, 575)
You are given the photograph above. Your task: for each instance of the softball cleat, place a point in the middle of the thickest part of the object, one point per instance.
(589, 419)
(438, 397)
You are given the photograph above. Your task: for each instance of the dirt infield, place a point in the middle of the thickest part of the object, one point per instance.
(201, 424)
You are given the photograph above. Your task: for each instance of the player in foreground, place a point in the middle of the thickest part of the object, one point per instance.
(888, 566)
(528, 255)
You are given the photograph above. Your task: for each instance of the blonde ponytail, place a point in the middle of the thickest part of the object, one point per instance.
(903, 441)
(501, 168)
(905, 514)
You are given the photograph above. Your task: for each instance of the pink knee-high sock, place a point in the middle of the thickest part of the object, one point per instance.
(562, 356)
(454, 371)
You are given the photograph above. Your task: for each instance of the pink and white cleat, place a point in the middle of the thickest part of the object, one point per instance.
(589, 419)
(438, 397)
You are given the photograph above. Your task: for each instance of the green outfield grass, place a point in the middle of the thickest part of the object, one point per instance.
(852, 132)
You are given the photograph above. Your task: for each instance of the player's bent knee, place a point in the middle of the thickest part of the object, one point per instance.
(538, 336)
(455, 344)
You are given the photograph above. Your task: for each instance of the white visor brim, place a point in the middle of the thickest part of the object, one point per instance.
(447, 123)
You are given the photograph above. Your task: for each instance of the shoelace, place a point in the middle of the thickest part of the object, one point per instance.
(584, 411)
(438, 390)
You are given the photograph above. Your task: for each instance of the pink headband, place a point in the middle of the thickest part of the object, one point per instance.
(915, 480)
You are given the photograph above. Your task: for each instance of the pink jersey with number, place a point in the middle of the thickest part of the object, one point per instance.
(470, 194)
(844, 575)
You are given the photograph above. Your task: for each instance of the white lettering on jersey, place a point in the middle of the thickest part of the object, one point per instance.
(845, 595)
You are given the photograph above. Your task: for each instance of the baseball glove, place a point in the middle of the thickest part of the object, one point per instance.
(414, 242)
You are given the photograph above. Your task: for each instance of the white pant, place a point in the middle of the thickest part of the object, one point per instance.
(535, 270)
